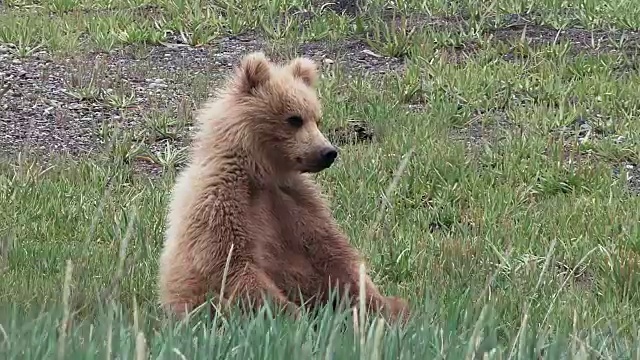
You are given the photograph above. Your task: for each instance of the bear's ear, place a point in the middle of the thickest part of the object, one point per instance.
(305, 69)
(254, 71)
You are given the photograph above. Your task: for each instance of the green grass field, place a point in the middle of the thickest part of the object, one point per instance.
(498, 192)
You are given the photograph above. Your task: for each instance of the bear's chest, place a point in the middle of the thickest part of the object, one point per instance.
(283, 216)
(281, 230)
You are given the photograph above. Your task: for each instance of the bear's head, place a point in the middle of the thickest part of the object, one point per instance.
(280, 113)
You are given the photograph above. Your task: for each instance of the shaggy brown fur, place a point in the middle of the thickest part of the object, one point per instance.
(247, 185)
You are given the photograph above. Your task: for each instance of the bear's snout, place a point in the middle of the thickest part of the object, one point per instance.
(327, 156)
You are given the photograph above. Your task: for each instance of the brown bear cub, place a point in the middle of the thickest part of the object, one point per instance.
(247, 184)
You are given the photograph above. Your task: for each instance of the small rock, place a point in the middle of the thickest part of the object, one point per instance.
(369, 52)
(584, 133)
(156, 85)
(328, 61)
(75, 106)
(16, 61)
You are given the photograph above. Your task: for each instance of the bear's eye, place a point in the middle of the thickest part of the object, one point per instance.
(295, 121)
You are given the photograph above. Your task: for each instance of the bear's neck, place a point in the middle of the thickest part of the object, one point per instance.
(226, 147)
(254, 168)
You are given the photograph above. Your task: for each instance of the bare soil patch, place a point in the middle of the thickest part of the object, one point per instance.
(484, 128)
(581, 40)
(353, 55)
(353, 133)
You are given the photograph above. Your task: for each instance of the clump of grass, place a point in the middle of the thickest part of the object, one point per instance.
(391, 39)
(88, 81)
(23, 33)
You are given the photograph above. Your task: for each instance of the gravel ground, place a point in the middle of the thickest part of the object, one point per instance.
(41, 113)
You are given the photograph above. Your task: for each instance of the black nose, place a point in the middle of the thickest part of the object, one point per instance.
(329, 155)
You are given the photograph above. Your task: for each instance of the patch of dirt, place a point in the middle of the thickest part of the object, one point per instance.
(459, 54)
(483, 129)
(349, 7)
(632, 176)
(487, 129)
(511, 30)
(448, 226)
(352, 55)
(355, 132)
(58, 105)
(37, 114)
(585, 129)
(581, 40)
(510, 27)
(580, 276)
(582, 129)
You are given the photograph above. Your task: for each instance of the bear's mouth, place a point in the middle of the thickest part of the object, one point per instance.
(322, 163)
(314, 168)
(302, 166)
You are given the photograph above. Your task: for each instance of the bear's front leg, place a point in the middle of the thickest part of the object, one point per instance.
(248, 285)
(251, 286)
(341, 263)
(346, 278)
(397, 308)
(330, 252)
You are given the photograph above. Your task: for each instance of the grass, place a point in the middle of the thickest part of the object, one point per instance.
(508, 230)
